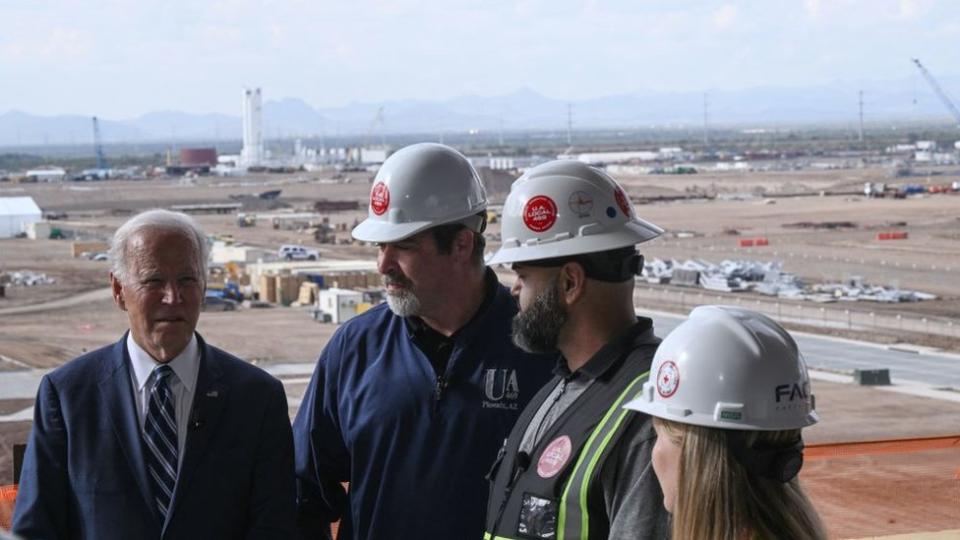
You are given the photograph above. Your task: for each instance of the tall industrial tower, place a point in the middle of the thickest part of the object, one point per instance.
(252, 153)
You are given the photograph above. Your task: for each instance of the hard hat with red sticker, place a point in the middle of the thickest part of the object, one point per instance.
(729, 368)
(565, 208)
(540, 213)
(379, 198)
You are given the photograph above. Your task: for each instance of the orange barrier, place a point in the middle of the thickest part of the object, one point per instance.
(8, 497)
(750, 242)
(893, 446)
(895, 235)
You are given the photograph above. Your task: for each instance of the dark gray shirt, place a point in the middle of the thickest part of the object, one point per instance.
(634, 501)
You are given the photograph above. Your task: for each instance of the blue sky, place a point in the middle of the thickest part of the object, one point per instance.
(119, 59)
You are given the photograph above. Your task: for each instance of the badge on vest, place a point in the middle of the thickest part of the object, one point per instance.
(501, 389)
(538, 517)
(554, 457)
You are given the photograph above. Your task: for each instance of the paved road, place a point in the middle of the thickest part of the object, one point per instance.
(939, 370)
(82, 298)
(928, 369)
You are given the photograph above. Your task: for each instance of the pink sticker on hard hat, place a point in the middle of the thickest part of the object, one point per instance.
(622, 201)
(540, 213)
(379, 198)
(668, 379)
(554, 457)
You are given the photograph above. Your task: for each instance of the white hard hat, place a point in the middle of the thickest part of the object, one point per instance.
(565, 208)
(732, 368)
(418, 187)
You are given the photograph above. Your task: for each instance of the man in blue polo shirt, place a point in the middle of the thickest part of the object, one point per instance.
(411, 400)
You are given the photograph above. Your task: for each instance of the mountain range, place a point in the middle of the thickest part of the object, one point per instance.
(524, 109)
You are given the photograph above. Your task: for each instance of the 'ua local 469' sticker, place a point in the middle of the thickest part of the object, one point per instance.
(668, 379)
(379, 198)
(554, 457)
(540, 213)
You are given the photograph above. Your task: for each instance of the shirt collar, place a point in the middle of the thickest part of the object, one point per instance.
(185, 365)
(608, 355)
(415, 325)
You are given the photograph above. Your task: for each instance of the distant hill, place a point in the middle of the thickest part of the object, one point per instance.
(524, 109)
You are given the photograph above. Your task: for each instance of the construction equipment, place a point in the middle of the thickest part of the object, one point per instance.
(100, 172)
(227, 290)
(947, 102)
(246, 220)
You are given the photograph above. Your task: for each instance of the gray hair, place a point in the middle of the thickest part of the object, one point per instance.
(156, 220)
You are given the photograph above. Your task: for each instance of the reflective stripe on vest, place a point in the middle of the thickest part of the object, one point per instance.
(574, 518)
(488, 536)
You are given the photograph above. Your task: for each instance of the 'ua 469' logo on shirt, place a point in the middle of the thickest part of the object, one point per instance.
(501, 389)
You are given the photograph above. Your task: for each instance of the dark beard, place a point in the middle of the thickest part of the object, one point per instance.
(537, 329)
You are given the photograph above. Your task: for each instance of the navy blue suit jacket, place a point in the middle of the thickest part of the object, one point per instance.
(84, 474)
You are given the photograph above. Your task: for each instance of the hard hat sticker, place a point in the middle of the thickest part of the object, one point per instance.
(554, 457)
(581, 204)
(668, 379)
(540, 213)
(622, 201)
(379, 198)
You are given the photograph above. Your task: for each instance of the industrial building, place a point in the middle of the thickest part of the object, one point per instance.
(16, 213)
(47, 174)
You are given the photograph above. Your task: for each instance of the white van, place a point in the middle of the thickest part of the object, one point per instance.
(297, 253)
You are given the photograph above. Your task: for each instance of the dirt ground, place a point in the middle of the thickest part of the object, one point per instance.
(857, 495)
(880, 495)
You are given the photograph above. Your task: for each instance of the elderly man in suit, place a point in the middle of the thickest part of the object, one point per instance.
(159, 435)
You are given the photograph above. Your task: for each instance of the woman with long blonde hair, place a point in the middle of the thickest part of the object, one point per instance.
(729, 393)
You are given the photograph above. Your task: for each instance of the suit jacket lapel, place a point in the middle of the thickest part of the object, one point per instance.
(117, 390)
(209, 399)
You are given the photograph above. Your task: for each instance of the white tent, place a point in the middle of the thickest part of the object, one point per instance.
(16, 213)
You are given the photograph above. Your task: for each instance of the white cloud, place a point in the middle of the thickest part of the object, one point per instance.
(911, 9)
(331, 53)
(812, 8)
(724, 17)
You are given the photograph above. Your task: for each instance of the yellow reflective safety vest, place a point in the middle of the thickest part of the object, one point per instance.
(554, 492)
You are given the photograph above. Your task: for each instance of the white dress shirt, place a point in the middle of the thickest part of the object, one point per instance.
(182, 384)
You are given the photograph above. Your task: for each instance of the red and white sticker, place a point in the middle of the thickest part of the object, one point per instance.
(553, 459)
(379, 198)
(540, 213)
(622, 201)
(668, 379)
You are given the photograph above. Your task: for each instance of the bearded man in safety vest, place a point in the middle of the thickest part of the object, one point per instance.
(577, 465)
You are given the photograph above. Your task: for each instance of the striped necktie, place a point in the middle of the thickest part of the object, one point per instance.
(160, 436)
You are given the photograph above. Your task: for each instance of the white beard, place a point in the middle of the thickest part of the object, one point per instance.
(404, 304)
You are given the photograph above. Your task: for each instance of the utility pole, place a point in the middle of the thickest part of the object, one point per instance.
(569, 124)
(706, 125)
(861, 116)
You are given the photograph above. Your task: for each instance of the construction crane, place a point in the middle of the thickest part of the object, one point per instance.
(98, 146)
(939, 91)
(375, 124)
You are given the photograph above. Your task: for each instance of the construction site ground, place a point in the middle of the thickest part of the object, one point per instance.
(861, 493)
